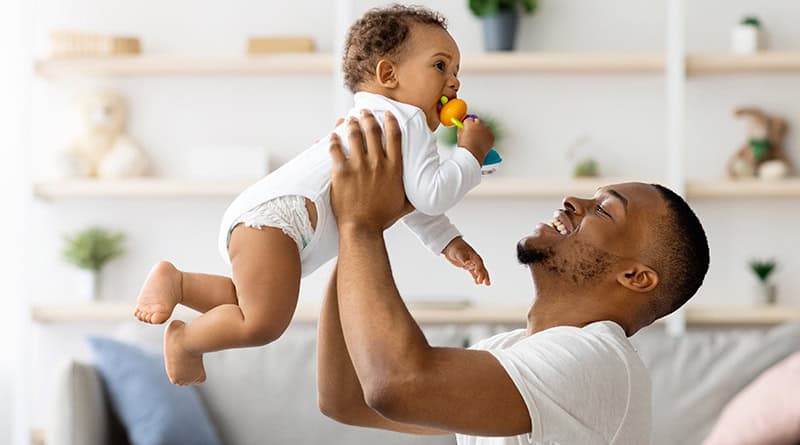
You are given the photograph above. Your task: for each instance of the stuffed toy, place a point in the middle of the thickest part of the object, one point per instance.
(102, 149)
(763, 155)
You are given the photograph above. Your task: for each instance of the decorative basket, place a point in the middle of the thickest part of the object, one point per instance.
(84, 44)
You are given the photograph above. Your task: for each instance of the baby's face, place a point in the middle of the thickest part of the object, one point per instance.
(428, 70)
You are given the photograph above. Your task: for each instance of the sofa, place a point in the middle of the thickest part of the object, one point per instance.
(267, 395)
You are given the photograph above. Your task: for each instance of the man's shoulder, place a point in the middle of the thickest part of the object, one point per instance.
(501, 340)
(605, 337)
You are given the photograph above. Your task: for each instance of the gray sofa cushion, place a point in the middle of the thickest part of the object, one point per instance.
(79, 411)
(268, 395)
(695, 375)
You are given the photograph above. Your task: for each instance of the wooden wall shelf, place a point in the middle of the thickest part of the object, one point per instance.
(492, 187)
(478, 63)
(150, 65)
(562, 63)
(138, 188)
(540, 187)
(728, 63)
(751, 188)
(442, 313)
(742, 315)
(428, 313)
(323, 63)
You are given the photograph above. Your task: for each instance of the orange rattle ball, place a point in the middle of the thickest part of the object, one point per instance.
(453, 109)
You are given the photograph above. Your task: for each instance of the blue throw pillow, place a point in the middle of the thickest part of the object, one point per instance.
(153, 410)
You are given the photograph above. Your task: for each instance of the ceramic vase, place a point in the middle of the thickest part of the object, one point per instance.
(499, 31)
(766, 293)
(745, 39)
(88, 285)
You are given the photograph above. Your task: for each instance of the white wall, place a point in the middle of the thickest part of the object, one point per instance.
(542, 115)
(13, 78)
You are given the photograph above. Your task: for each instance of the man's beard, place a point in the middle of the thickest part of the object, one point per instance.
(592, 264)
(530, 255)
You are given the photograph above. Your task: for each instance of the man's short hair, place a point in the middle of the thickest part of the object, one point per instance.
(680, 256)
(381, 32)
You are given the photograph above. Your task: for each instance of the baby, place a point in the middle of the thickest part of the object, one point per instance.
(399, 60)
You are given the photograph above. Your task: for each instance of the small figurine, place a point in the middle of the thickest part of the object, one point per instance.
(763, 155)
(454, 112)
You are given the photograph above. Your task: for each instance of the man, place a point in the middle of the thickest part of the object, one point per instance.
(604, 268)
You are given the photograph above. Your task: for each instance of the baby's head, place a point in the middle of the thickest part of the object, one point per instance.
(404, 53)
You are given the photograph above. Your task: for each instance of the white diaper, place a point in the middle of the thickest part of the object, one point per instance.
(287, 213)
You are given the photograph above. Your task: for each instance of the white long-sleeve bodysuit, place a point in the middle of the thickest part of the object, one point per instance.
(431, 186)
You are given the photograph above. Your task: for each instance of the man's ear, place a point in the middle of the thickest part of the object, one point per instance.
(638, 278)
(386, 73)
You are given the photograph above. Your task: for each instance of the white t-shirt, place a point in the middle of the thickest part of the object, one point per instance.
(431, 185)
(582, 386)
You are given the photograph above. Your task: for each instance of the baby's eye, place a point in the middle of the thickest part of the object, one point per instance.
(440, 66)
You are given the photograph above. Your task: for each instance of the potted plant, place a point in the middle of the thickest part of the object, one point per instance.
(499, 18)
(746, 36)
(579, 154)
(763, 269)
(586, 168)
(90, 250)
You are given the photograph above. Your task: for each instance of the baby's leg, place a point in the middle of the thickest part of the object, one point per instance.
(266, 277)
(166, 286)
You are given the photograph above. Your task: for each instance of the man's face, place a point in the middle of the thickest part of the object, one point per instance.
(583, 242)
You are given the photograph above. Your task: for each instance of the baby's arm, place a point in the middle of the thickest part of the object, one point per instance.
(442, 237)
(435, 232)
(432, 186)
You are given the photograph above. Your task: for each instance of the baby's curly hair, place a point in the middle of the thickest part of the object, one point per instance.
(381, 32)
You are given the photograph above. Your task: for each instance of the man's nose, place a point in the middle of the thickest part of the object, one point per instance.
(576, 205)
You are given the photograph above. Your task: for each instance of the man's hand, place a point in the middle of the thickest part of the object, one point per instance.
(476, 137)
(367, 189)
(462, 255)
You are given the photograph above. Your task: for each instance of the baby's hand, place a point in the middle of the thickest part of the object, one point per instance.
(476, 137)
(462, 255)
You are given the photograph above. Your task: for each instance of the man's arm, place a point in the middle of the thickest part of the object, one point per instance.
(339, 392)
(403, 378)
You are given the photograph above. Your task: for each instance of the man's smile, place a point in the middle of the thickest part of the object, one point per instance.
(561, 223)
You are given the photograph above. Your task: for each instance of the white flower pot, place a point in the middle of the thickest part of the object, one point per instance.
(88, 285)
(765, 293)
(745, 39)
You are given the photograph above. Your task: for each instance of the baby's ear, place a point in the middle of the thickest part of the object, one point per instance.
(386, 73)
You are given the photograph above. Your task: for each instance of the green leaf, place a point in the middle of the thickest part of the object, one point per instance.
(750, 20)
(92, 248)
(482, 8)
(586, 168)
(763, 268)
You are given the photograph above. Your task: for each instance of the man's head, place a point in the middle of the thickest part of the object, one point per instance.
(404, 53)
(633, 251)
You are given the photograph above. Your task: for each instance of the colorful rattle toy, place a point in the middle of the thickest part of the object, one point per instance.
(454, 112)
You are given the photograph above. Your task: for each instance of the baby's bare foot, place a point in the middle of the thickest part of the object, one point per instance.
(183, 367)
(159, 295)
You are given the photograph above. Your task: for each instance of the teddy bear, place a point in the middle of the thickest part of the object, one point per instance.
(763, 155)
(102, 149)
